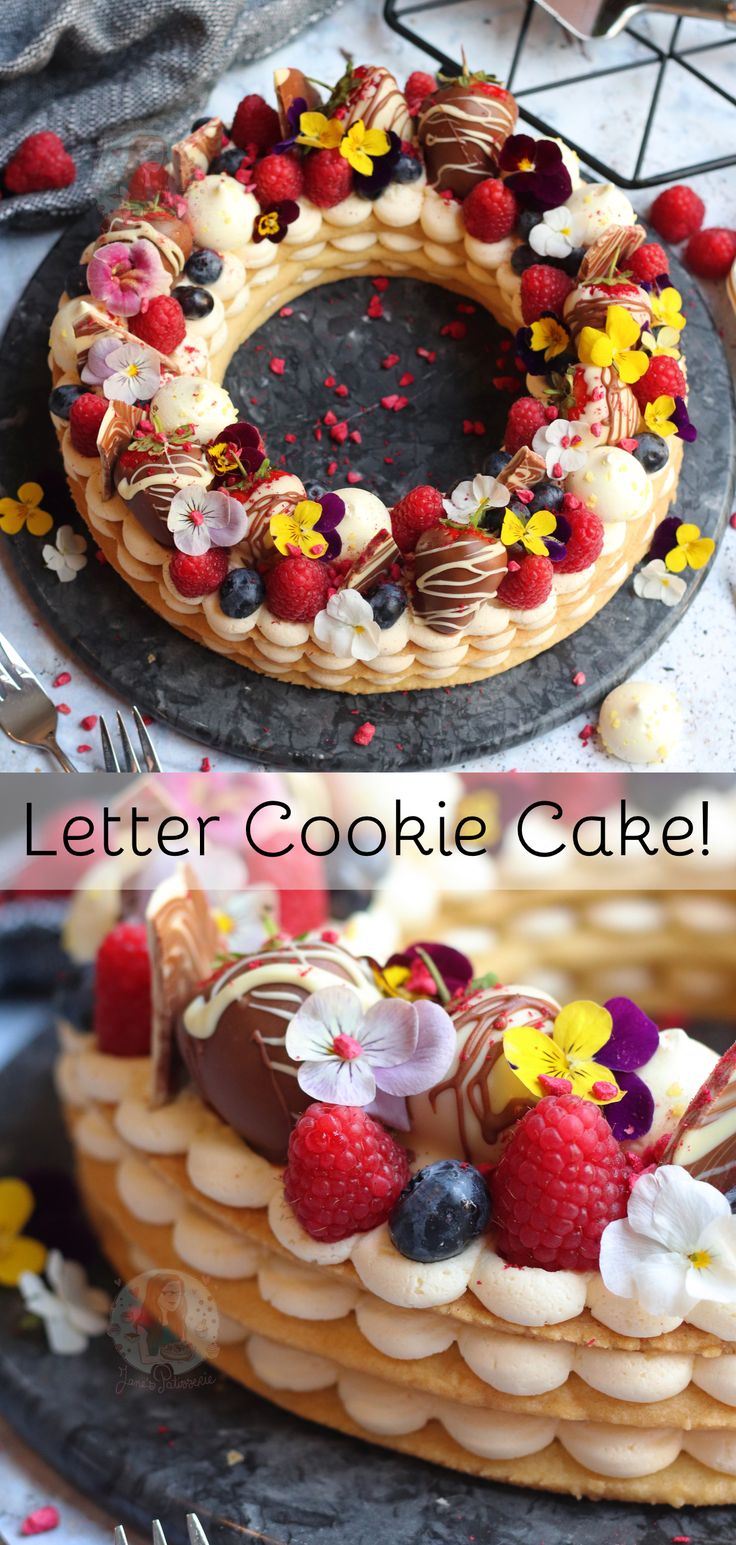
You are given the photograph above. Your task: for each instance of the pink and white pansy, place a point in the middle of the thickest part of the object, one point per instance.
(201, 518)
(126, 275)
(373, 1058)
(560, 446)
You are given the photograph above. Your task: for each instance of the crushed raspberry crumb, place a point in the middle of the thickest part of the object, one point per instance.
(389, 360)
(374, 309)
(453, 330)
(62, 680)
(277, 366)
(364, 735)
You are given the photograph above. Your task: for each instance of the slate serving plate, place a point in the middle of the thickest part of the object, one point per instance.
(329, 334)
(142, 1455)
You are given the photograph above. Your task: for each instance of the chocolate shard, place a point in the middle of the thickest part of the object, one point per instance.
(115, 433)
(193, 154)
(523, 470)
(612, 248)
(92, 323)
(183, 942)
(289, 85)
(704, 1141)
(376, 559)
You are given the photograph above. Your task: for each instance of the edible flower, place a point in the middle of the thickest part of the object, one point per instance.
(676, 1246)
(66, 558)
(273, 223)
(318, 132)
(535, 171)
(691, 550)
(24, 511)
(682, 422)
(658, 416)
(383, 169)
(552, 237)
(18, 1253)
(132, 373)
(565, 1057)
(237, 448)
(310, 528)
(124, 275)
(351, 1056)
(633, 1041)
(549, 337)
(71, 1310)
(357, 144)
(347, 627)
(294, 113)
(655, 583)
(560, 445)
(615, 345)
(546, 341)
(533, 534)
(470, 500)
(201, 518)
(667, 314)
(426, 971)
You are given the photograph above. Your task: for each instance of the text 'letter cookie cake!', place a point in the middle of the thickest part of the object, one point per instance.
(444, 1214)
(333, 588)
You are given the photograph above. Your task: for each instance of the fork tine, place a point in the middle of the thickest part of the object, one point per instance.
(197, 1535)
(131, 761)
(108, 749)
(120, 1537)
(159, 1538)
(149, 755)
(6, 680)
(18, 664)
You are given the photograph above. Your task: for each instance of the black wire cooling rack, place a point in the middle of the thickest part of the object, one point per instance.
(671, 62)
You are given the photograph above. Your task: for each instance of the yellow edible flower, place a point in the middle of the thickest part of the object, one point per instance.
(296, 532)
(692, 550)
(550, 337)
(658, 416)
(18, 1253)
(319, 132)
(531, 535)
(666, 309)
(360, 144)
(580, 1030)
(615, 346)
(24, 511)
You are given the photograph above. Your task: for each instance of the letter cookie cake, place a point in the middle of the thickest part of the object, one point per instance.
(334, 589)
(446, 1215)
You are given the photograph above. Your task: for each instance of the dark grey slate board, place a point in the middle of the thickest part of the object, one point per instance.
(222, 705)
(144, 1455)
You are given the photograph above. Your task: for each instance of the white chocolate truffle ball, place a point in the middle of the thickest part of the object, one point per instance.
(365, 515)
(612, 483)
(640, 721)
(221, 212)
(674, 1074)
(594, 206)
(192, 400)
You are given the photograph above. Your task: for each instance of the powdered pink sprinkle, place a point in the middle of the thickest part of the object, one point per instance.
(628, 445)
(453, 330)
(329, 417)
(63, 708)
(331, 468)
(389, 360)
(342, 390)
(328, 936)
(286, 311)
(380, 284)
(587, 733)
(290, 439)
(374, 309)
(364, 735)
(356, 437)
(339, 433)
(83, 748)
(277, 366)
(89, 723)
(329, 381)
(407, 379)
(579, 679)
(62, 680)
(394, 403)
(41, 1520)
(205, 764)
(353, 477)
(429, 354)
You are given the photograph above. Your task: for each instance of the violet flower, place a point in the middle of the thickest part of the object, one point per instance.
(681, 419)
(373, 183)
(633, 1041)
(333, 510)
(293, 115)
(534, 170)
(201, 518)
(125, 275)
(408, 975)
(373, 1058)
(665, 537)
(273, 223)
(237, 448)
(534, 361)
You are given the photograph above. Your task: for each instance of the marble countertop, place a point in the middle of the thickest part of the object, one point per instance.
(696, 658)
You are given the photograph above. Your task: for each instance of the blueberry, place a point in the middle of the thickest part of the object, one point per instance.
(204, 266)
(407, 169)
(241, 592)
(731, 1198)
(353, 874)
(495, 463)
(653, 452)
(547, 496)
(76, 281)
(527, 221)
(443, 1207)
(194, 301)
(62, 397)
(571, 263)
(199, 123)
(74, 998)
(522, 258)
(389, 603)
(344, 903)
(228, 161)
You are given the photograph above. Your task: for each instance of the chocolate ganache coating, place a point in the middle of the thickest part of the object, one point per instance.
(461, 131)
(231, 1036)
(455, 571)
(150, 487)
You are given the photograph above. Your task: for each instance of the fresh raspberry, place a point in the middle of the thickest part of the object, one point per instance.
(39, 163)
(528, 586)
(277, 178)
(296, 589)
(418, 511)
(255, 123)
(663, 378)
(147, 180)
(344, 1171)
(85, 416)
(327, 178)
(648, 262)
(525, 417)
(585, 542)
(709, 254)
(161, 325)
(677, 213)
(419, 85)
(200, 575)
(122, 1016)
(490, 211)
(543, 289)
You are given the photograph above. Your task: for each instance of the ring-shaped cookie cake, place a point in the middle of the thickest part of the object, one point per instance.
(333, 589)
(445, 1215)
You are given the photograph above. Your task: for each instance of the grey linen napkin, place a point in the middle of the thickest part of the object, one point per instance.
(109, 74)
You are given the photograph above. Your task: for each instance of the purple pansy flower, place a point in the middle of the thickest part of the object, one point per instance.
(633, 1041)
(293, 115)
(535, 171)
(273, 223)
(665, 537)
(408, 974)
(681, 419)
(373, 183)
(533, 360)
(237, 448)
(348, 1055)
(333, 510)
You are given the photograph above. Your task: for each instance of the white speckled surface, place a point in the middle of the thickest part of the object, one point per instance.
(696, 659)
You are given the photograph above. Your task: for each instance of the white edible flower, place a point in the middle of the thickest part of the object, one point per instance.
(66, 558)
(200, 518)
(552, 237)
(347, 627)
(559, 445)
(134, 373)
(655, 583)
(71, 1310)
(468, 498)
(676, 1247)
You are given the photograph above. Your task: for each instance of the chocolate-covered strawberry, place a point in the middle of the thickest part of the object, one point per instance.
(461, 130)
(457, 569)
(151, 471)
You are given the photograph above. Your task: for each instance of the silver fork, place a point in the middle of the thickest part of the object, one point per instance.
(195, 1531)
(130, 757)
(27, 714)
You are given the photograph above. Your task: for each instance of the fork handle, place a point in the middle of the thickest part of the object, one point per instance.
(50, 744)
